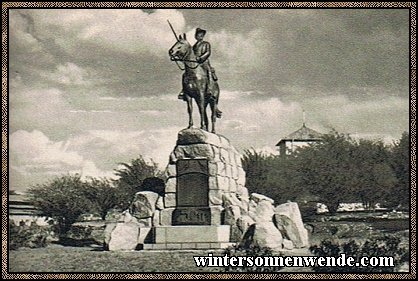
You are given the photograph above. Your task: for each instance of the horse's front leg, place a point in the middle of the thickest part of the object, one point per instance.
(190, 110)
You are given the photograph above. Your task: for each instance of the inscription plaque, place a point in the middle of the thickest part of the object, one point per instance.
(192, 196)
(192, 183)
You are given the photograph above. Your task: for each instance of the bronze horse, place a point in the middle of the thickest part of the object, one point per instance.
(196, 84)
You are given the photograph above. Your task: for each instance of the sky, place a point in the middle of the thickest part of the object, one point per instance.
(92, 88)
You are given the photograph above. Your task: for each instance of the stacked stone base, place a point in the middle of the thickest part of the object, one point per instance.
(190, 237)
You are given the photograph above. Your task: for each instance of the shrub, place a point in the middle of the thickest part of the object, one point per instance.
(253, 251)
(387, 246)
(32, 236)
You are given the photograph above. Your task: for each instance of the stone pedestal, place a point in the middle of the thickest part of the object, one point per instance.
(190, 237)
(205, 176)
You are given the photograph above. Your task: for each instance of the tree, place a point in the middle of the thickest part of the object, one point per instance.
(103, 195)
(62, 199)
(400, 162)
(132, 176)
(323, 168)
(372, 175)
(256, 166)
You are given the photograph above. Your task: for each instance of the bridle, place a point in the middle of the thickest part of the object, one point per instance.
(185, 62)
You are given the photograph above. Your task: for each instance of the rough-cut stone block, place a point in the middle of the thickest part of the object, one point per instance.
(194, 151)
(160, 203)
(232, 185)
(232, 213)
(242, 192)
(224, 141)
(241, 176)
(244, 206)
(216, 153)
(171, 185)
(228, 171)
(221, 169)
(196, 136)
(216, 215)
(231, 157)
(166, 216)
(147, 222)
(223, 183)
(224, 155)
(156, 218)
(212, 168)
(234, 173)
(238, 160)
(143, 205)
(169, 200)
(215, 197)
(229, 199)
(213, 183)
(172, 159)
(170, 171)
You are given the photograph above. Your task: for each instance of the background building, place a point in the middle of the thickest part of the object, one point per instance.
(302, 137)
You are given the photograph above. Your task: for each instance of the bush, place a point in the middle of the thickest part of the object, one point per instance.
(32, 236)
(387, 246)
(253, 251)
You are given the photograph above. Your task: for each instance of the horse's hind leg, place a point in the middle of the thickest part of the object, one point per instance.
(214, 108)
(190, 110)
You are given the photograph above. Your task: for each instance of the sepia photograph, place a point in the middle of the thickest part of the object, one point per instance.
(156, 140)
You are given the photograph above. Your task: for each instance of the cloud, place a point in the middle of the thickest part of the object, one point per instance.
(128, 30)
(35, 158)
(68, 74)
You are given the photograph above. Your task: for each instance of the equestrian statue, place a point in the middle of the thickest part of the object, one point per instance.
(199, 79)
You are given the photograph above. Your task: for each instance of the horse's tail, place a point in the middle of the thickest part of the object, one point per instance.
(218, 113)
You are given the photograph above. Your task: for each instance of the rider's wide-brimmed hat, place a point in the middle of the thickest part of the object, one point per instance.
(199, 30)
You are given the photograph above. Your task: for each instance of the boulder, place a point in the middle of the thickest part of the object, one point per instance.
(230, 199)
(289, 221)
(287, 244)
(143, 205)
(232, 214)
(108, 232)
(264, 212)
(263, 234)
(259, 197)
(244, 222)
(124, 237)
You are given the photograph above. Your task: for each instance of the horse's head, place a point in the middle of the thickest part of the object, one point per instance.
(180, 48)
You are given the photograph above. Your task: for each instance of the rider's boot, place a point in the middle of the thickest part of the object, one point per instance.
(181, 96)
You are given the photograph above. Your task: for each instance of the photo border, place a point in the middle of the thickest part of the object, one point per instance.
(411, 6)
